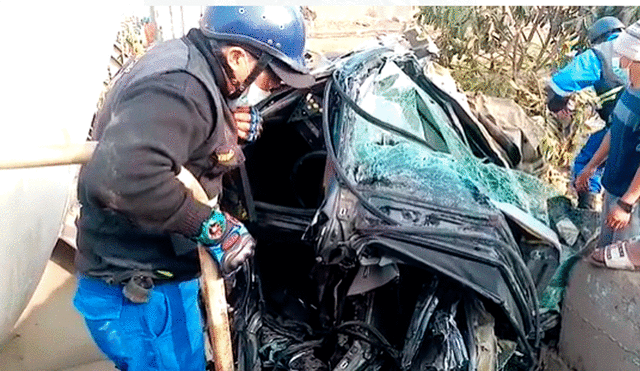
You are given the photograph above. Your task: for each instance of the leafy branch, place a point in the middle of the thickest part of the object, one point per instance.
(510, 52)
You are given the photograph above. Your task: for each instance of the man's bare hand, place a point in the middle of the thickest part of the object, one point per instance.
(618, 218)
(565, 115)
(582, 181)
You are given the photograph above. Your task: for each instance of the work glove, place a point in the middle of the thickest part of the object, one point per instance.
(255, 128)
(227, 239)
(249, 122)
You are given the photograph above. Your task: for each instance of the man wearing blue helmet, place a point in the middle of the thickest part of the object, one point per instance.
(185, 103)
(598, 67)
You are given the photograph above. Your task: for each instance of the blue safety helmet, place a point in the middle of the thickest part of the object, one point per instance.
(276, 30)
(604, 27)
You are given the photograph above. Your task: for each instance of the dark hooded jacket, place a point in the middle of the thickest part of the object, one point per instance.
(163, 112)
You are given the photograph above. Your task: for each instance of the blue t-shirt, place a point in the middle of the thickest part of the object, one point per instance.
(624, 152)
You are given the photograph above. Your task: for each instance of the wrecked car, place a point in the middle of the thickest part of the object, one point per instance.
(392, 232)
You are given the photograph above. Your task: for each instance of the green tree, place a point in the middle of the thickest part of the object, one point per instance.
(506, 51)
(511, 51)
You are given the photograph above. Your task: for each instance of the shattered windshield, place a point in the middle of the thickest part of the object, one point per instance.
(442, 170)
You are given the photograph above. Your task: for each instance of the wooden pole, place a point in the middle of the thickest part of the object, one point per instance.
(67, 154)
(213, 291)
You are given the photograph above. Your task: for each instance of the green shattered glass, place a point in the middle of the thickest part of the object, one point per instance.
(445, 172)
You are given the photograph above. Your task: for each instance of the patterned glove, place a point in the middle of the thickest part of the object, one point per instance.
(228, 240)
(256, 125)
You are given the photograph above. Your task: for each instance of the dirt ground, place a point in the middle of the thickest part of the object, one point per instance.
(50, 334)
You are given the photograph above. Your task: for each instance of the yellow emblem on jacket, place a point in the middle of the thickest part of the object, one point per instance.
(225, 157)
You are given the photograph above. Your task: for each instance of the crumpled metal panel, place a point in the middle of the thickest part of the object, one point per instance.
(422, 194)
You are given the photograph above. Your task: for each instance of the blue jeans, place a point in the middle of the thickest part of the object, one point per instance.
(166, 333)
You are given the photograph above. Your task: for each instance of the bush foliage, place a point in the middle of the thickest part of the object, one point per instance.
(511, 51)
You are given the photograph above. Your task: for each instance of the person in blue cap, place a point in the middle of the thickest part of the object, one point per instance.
(599, 68)
(185, 103)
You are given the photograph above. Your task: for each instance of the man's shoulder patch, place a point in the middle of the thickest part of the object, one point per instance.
(224, 156)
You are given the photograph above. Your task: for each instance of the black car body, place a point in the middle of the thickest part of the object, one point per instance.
(392, 232)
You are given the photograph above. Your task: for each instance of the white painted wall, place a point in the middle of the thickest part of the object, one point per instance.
(55, 60)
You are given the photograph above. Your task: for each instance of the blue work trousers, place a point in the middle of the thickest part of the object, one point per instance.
(166, 333)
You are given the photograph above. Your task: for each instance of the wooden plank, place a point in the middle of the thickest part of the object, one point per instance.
(27, 157)
(213, 291)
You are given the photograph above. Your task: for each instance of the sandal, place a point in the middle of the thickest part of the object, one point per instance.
(616, 255)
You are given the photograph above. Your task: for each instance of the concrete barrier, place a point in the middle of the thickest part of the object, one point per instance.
(601, 319)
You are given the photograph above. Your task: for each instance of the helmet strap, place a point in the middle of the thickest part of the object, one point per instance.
(260, 66)
(211, 51)
(205, 47)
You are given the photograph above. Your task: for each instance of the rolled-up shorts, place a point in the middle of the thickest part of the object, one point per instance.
(166, 333)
